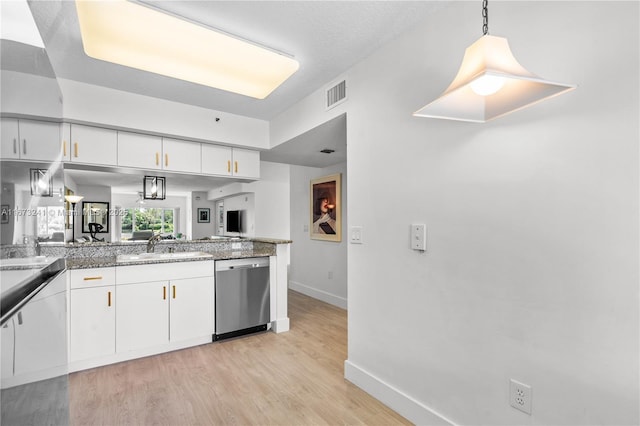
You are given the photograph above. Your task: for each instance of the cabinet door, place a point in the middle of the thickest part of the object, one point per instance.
(9, 138)
(39, 140)
(41, 334)
(246, 163)
(181, 156)
(6, 345)
(191, 308)
(93, 145)
(142, 315)
(141, 151)
(216, 160)
(92, 323)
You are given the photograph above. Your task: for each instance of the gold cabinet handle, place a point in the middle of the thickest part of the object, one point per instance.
(236, 167)
(75, 149)
(166, 160)
(109, 299)
(174, 291)
(157, 159)
(228, 166)
(164, 293)
(92, 278)
(64, 148)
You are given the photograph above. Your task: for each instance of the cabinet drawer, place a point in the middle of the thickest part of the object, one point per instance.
(164, 271)
(92, 277)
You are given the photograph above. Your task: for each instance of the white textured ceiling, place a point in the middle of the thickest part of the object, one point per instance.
(326, 37)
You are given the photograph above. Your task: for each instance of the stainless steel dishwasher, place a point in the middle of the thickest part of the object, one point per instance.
(242, 296)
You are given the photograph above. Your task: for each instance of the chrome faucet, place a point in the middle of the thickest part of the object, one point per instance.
(37, 248)
(151, 243)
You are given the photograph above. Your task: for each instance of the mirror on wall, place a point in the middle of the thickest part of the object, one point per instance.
(32, 203)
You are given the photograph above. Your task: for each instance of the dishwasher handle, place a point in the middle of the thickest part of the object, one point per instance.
(253, 265)
(240, 264)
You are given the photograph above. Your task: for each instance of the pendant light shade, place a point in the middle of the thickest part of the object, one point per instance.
(490, 83)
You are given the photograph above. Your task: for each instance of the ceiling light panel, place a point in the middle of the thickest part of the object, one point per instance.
(136, 36)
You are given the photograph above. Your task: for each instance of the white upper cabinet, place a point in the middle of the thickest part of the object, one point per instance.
(30, 140)
(10, 147)
(181, 156)
(140, 151)
(246, 163)
(94, 145)
(216, 160)
(226, 161)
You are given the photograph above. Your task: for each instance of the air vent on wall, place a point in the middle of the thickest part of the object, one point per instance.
(336, 94)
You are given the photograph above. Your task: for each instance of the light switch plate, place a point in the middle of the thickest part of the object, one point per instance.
(419, 236)
(355, 235)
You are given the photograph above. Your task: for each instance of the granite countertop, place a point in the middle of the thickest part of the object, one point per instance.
(169, 241)
(108, 261)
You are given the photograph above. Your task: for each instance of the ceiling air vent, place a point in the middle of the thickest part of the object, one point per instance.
(336, 94)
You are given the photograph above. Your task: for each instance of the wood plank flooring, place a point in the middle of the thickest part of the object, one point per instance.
(292, 378)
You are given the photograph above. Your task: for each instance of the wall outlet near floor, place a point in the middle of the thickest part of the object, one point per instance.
(520, 396)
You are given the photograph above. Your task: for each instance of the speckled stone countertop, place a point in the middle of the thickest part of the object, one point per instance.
(96, 255)
(100, 254)
(107, 261)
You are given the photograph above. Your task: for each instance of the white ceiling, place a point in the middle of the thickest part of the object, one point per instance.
(326, 37)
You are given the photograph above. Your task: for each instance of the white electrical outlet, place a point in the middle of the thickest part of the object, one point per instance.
(520, 396)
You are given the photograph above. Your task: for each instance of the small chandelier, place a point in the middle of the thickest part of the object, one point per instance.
(154, 188)
(490, 83)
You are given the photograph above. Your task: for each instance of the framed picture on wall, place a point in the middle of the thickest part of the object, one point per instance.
(325, 205)
(203, 215)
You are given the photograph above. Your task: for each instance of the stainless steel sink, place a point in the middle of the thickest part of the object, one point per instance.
(162, 256)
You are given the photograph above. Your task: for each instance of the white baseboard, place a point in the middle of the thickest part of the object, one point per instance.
(332, 299)
(403, 404)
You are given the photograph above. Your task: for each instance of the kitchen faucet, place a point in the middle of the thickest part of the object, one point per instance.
(151, 243)
(37, 248)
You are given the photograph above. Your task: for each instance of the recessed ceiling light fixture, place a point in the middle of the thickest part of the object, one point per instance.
(137, 36)
(490, 83)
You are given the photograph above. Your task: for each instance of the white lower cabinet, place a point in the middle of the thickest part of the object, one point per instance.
(156, 313)
(92, 323)
(190, 308)
(142, 316)
(40, 330)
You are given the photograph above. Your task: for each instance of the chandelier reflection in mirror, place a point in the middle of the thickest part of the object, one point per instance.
(41, 183)
(154, 188)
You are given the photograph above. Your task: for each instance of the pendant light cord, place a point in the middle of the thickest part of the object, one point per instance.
(485, 17)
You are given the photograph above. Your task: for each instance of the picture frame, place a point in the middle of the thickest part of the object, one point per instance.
(95, 212)
(204, 215)
(4, 216)
(325, 207)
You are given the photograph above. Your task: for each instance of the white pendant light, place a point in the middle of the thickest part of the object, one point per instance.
(490, 83)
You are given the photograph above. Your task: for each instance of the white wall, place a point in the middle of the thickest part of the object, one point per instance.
(30, 94)
(202, 229)
(318, 268)
(266, 202)
(100, 105)
(532, 267)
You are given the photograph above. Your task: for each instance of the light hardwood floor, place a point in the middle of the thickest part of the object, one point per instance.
(292, 378)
